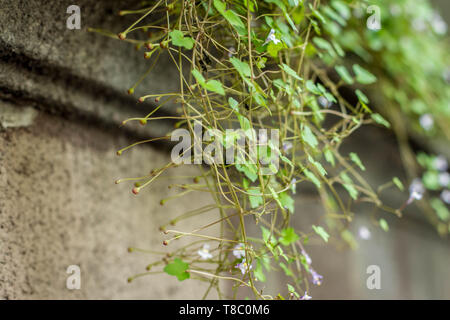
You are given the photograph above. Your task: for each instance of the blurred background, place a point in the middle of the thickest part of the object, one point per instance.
(62, 98)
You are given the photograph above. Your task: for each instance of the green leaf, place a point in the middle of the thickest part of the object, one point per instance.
(380, 120)
(289, 71)
(361, 96)
(348, 185)
(309, 137)
(440, 208)
(233, 19)
(288, 236)
(198, 76)
(354, 157)
(384, 225)
(311, 87)
(286, 270)
(242, 67)
(255, 197)
(321, 232)
(312, 177)
(292, 290)
(325, 45)
(286, 201)
(398, 183)
(178, 268)
(363, 76)
(249, 170)
(211, 85)
(329, 156)
(214, 86)
(259, 274)
(178, 39)
(344, 74)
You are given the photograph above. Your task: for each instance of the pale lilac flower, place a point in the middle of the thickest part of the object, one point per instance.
(446, 75)
(204, 252)
(445, 196)
(306, 297)
(364, 233)
(324, 102)
(416, 191)
(232, 51)
(287, 146)
(271, 37)
(395, 9)
(239, 251)
(440, 163)
(426, 122)
(243, 266)
(419, 24)
(444, 179)
(316, 278)
(307, 258)
(438, 24)
(294, 185)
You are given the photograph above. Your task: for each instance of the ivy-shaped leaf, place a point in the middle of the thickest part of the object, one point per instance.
(344, 74)
(210, 85)
(321, 232)
(178, 268)
(363, 76)
(288, 236)
(179, 40)
(354, 157)
(309, 137)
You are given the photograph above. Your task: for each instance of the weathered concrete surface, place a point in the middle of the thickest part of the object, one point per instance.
(75, 72)
(59, 206)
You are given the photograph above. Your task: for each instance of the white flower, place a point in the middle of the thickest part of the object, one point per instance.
(445, 196)
(440, 163)
(416, 190)
(204, 252)
(306, 297)
(364, 233)
(438, 24)
(293, 185)
(243, 266)
(444, 179)
(426, 121)
(271, 37)
(239, 251)
(324, 102)
(395, 9)
(419, 24)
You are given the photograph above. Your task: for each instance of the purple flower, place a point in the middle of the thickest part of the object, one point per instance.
(293, 185)
(306, 297)
(271, 37)
(416, 191)
(307, 258)
(286, 146)
(440, 163)
(316, 278)
(324, 102)
(426, 121)
(444, 179)
(243, 266)
(204, 252)
(445, 196)
(364, 233)
(239, 251)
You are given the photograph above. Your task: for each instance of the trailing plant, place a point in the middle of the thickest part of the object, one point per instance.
(306, 70)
